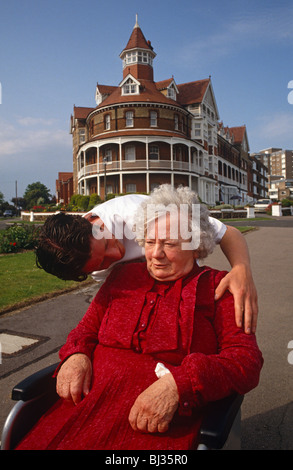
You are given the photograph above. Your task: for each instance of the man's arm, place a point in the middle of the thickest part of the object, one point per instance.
(239, 281)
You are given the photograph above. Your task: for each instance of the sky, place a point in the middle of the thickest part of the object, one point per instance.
(53, 53)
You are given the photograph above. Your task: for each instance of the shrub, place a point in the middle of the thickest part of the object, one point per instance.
(287, 202)
(94, 200)
(38, 208)
(80, 202)
(269, 209)
(223, 206)
(18, 237)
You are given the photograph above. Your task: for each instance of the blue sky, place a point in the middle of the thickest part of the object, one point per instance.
(52, 54)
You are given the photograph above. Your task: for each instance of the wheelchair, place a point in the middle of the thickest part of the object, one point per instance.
(220, 429)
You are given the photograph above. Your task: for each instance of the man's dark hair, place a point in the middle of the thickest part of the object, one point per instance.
(64, 246)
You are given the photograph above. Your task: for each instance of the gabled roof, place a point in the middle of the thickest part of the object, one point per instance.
(240, 136)
(102, 92)
(81, 113)
(131, 77)
(163, 84)
(198, 92)
(105, 89)
(148, 93)
(192, 92)
(238, 133)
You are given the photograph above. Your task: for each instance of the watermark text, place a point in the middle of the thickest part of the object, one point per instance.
(159, 222)
(290, 355)
(290, 95)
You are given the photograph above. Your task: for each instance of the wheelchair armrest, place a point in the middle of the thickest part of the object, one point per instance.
(218, 421)
(42, 382)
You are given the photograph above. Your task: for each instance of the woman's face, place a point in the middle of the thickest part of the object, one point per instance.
(166, 260)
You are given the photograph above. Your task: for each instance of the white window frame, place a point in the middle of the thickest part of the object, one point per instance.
(130, 155)
(197, 129)
(154, 152)
(130, 86)
(129, 118)
(107, 122)
(176, 122)
(171, 93)
(108, 154)
(81, 135)
(137, 57)
(131, 187)
(153, 119)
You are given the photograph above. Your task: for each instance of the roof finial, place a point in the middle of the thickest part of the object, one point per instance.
(136, 22)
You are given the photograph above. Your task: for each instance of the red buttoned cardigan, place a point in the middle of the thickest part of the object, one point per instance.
(179, 324)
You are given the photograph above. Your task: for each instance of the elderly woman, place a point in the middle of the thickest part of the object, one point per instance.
(154, 347)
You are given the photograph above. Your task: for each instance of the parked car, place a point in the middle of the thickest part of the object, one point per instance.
(261, 205)
(8, 213)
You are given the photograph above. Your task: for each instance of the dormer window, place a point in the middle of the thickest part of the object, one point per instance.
(172, 90)
(130, 86)
(171, 93)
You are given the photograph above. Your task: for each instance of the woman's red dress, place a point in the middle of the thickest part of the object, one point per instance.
(132, 324)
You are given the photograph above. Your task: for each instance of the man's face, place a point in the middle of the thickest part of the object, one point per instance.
(105, 250)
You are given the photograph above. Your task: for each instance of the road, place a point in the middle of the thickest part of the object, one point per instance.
(267, 411)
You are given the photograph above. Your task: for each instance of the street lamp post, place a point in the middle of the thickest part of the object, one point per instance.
(105, 160)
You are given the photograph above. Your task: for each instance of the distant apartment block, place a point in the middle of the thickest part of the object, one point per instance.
(280, 167)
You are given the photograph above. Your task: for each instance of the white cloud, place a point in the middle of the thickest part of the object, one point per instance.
(33, 134)
(279, 125)
(275, 130)
(32, 149)
(30, 121)
(268, 26)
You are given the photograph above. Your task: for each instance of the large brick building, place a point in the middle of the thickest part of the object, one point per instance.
(144, 133)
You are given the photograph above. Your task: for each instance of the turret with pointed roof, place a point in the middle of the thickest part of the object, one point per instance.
(138, 56)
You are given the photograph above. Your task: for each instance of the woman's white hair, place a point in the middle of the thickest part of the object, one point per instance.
(165, 197)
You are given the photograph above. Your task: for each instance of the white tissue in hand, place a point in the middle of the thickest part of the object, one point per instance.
(161, 370)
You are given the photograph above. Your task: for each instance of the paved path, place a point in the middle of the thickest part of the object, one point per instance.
(267, 412)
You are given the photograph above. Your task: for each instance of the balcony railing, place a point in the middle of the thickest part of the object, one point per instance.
(129, 165)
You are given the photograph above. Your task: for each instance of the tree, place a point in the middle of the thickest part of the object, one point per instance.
(19, 202)
(34, 192)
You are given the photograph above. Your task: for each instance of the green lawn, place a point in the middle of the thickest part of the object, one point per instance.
(21, 279)
(245, 228)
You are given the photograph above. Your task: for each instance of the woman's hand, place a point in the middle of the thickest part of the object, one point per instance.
(240, 283)
(74, 378)
(155, 407)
